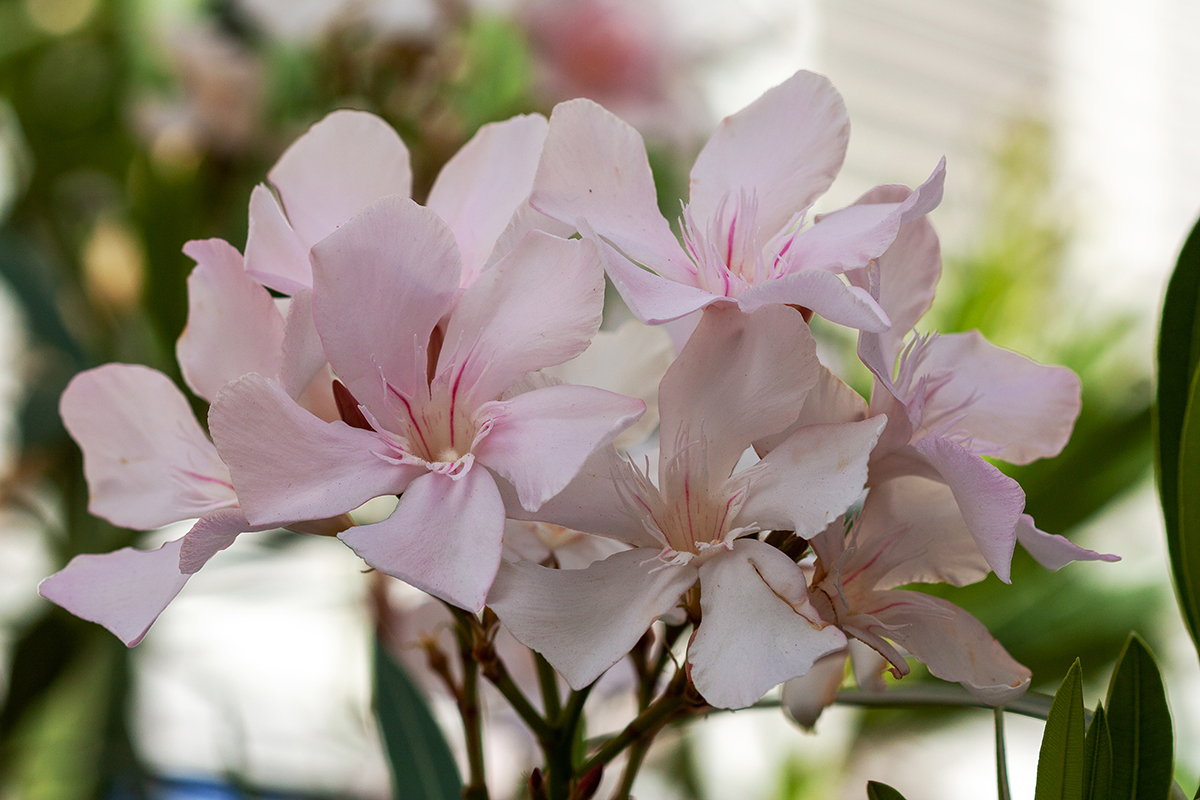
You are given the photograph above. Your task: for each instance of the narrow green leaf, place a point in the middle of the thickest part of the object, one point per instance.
(1140, 725)
(422, 766)
(1178, 353)
(881, 791)
(1097, 758)
(1060, 762)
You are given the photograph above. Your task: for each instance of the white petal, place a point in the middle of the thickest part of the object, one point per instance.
(1053, 551)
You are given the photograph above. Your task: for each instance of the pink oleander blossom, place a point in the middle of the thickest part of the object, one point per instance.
(744, 237)
(430, 366)
(739, 377)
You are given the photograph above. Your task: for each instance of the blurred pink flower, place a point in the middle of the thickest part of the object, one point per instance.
(739, 377)
(386, 291)
(751, 188)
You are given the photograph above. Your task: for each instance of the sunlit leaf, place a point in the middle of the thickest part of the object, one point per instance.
(1140, 725)
(1061, 760)
(422, 766)
(1178, 352)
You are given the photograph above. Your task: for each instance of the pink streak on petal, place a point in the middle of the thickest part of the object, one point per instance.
(785, 149)
(733, 663)
(537, 307)
(381, 283)
(124, 590)
(541, 439)
(584, 621)
(233, 326)
(146, 460)
(288, 465)
(444, 537)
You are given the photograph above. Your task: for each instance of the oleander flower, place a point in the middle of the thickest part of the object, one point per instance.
(752, 187)
(739, 377)
(428, 369)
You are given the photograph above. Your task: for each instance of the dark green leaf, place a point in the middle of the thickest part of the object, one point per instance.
(1140, 725)
(422, 765)
(1178, 352)
(881, 791)
(1098, 758)
(1060, 762)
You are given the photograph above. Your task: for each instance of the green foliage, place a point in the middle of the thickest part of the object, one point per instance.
(881, 791)
(422, 766)
(1176, 432)
(1098, 758)
(1061, 760)
(494, 75)
(1140, 724)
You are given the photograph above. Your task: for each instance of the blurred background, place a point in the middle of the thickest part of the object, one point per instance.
(127, 127)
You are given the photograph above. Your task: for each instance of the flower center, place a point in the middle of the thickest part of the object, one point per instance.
(729, 253)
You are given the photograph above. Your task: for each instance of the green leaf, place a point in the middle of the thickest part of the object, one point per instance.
(1097, 758)
(1178, 353)
(1140, 725)
(881, 791)
(1061, 760)
(422, 765)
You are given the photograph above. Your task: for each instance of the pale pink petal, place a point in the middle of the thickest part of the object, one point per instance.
(211, 534)
(594, 167)
(853, 236)
(990, 501)
(652, 299)
(538, 306)
(592, 502)
(804, 698)
(444, 537)
(823, 293)
(146, 460)
(952, 644)
(124, 590)
(381, 283)
(907, 273)
(539, 440)
(810, 478)
(830, 400)
(757, 628)
(524, 220)
(480, 189)
(288, 465)
(584, 621)
(303, 355)
(275, 256)
(630, 360)
(342, 164)
(912, 531)
(1053, 551)
(739, 378)
(784, 149)
(233, 327)
(1011, 407)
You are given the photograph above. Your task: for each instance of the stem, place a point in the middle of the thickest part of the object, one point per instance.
(560, 746)
(645, 724)
(468, 708)
(497, 673)
(548, 679)
(1031, 704)
(1001, 756)
(637, 754)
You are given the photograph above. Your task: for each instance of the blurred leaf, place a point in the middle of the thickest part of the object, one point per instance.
(1178, 352)
(495, 75)
(1140, 724)
(881, 791)
(422, 765)
(1061, 759)
(1098, 758)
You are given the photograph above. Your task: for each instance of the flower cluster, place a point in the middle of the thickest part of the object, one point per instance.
(425, 352)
